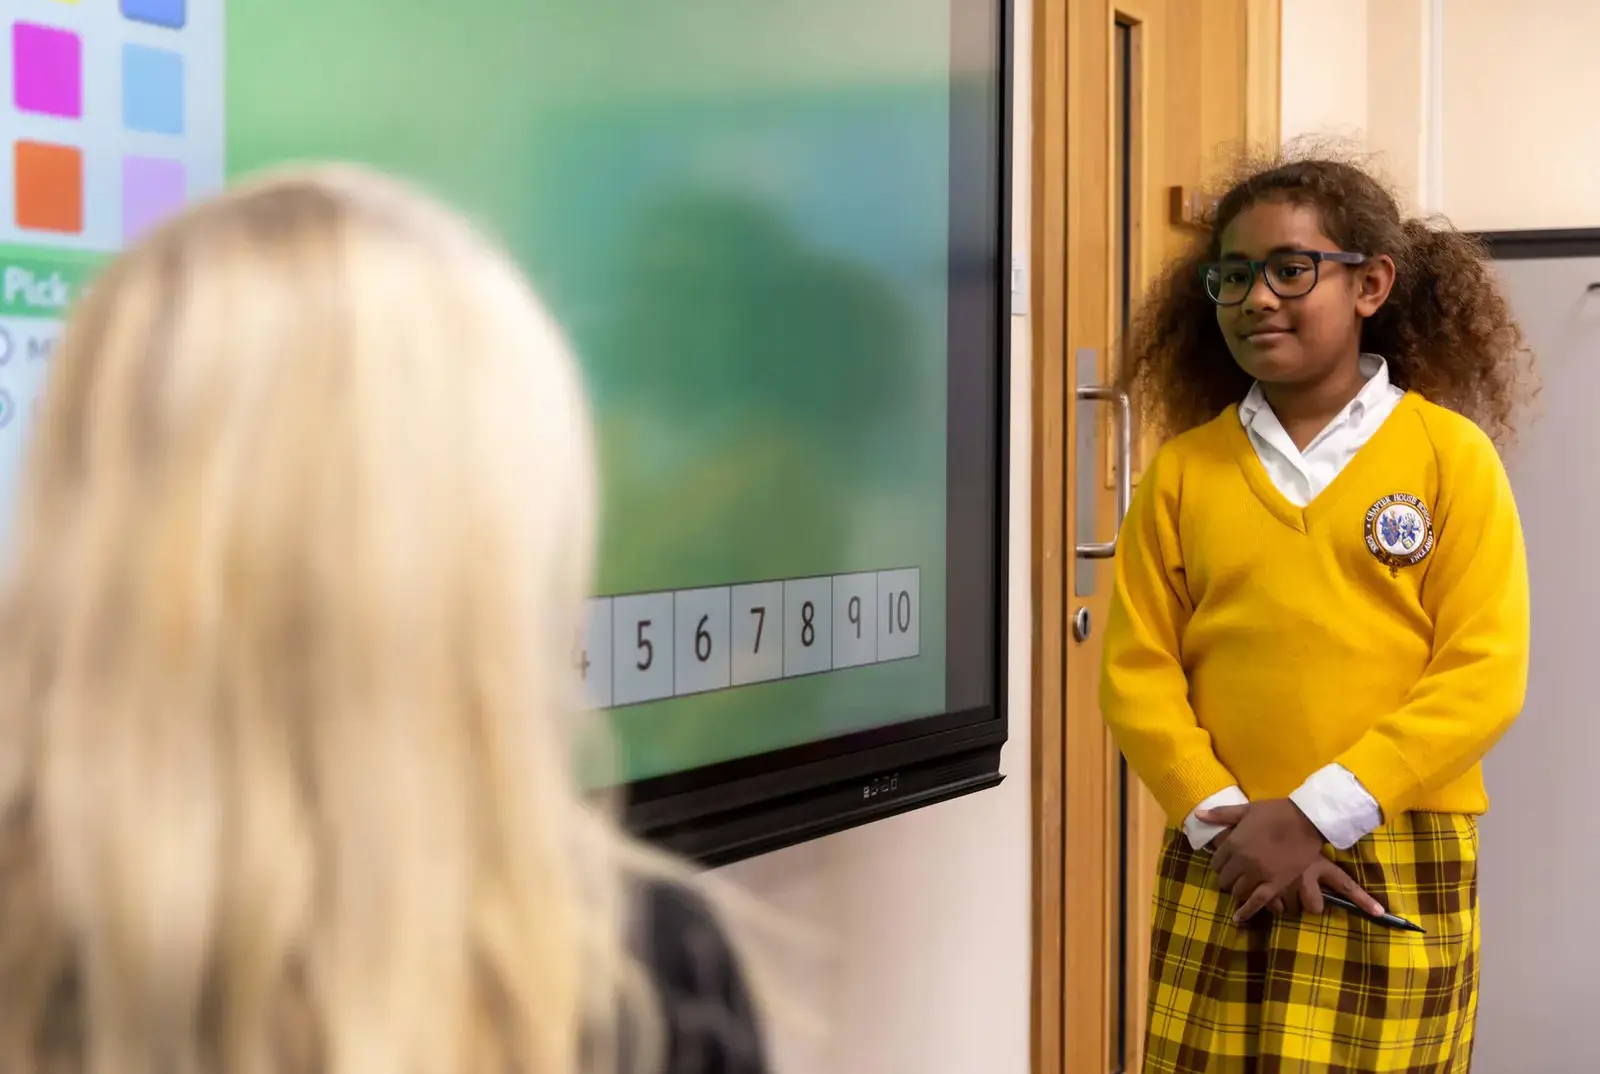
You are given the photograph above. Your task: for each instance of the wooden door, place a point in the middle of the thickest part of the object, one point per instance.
(1131, 99)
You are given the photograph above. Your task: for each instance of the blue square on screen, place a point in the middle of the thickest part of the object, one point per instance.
(169, 13)
(152, 90)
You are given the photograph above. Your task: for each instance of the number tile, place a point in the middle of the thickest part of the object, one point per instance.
(855, 621)
(757, 646)
(641, 648)
(899, 614)
(700, 640)
(807, 626)
(593, 658)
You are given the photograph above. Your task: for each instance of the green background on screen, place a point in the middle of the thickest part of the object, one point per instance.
(738, 210)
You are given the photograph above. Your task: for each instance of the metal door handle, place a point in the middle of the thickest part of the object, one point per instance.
(1123, 439)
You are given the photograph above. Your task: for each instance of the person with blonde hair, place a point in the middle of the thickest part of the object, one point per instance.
(287, 736)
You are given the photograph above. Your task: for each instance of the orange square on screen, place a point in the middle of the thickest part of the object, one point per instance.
(49, 187)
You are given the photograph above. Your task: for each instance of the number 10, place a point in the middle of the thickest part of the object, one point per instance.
(899, 612)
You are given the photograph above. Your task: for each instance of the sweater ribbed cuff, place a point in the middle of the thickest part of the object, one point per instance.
(1381, 768)
(1190, 782)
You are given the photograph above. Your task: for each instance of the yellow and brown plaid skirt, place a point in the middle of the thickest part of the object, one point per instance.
(1321, 994)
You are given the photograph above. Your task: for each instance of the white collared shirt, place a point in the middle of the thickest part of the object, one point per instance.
(1302, 475)
(1332, 798)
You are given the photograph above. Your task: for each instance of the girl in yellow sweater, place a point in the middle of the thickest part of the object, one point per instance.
(1320, 625)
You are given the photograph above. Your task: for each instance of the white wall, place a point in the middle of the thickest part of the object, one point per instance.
(930, 912)
(1359, 71)
(1520, 89)
(1479, 109)
(1324, 57)
(1401, 98)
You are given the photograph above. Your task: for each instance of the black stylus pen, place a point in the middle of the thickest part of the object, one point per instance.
(1388, 921)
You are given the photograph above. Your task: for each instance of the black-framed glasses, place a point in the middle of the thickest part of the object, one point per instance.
(1289, 273)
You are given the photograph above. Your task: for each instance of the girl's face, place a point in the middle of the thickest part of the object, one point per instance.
(1305, 339)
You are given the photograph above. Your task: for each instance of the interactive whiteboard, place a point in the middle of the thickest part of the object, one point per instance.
(746, 215)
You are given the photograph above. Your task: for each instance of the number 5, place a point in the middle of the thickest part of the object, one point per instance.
(645, 647)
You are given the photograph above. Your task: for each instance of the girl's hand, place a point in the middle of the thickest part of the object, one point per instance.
(1305, 894)
(1271, 845)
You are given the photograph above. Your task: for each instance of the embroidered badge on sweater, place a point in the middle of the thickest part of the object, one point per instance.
(1399, 531)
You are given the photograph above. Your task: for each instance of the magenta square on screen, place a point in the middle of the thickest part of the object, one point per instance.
(46, 70)
(153, 189)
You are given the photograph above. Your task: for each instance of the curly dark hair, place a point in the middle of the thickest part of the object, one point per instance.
(1446, 330)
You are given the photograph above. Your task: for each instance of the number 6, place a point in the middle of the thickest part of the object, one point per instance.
(702, 652)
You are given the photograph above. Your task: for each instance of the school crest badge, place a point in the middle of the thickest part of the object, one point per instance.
(1399, 531)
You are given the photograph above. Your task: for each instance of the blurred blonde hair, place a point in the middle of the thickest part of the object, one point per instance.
(285, 750)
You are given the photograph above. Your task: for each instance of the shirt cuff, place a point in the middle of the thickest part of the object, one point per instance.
(1199, 832)
(1334, 800)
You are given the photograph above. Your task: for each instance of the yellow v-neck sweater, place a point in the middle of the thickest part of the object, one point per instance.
(1252, 642)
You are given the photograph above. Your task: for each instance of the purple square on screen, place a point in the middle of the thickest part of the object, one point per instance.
(46, 70)
(152, 190)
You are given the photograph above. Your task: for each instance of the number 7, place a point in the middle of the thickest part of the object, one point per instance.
(761, 620)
